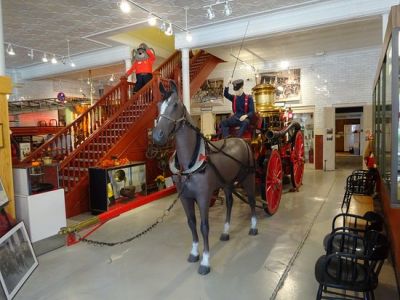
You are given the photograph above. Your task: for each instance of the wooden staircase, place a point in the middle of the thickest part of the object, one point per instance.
(116, 125)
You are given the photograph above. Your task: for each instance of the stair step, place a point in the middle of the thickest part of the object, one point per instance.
(69, 178)
(72, 168)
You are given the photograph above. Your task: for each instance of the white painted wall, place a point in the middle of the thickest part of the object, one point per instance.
(333, 80)
(39, 89)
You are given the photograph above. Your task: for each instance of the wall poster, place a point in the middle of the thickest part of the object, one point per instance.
(210, 93)
(18, 260)
(287, 84)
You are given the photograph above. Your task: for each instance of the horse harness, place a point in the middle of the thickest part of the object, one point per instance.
(201, 156)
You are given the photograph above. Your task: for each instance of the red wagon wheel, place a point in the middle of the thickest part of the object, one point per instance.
(297, 160)
(273, 183)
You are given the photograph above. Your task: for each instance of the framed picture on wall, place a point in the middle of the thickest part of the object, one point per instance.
(286, 82)
(3, 195)
(210, 93)
(18, 260)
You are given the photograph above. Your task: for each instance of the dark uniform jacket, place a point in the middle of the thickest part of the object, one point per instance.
(240, 104)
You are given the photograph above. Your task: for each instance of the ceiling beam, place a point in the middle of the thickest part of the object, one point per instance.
(283, 21)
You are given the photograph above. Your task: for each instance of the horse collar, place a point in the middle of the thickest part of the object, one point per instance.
(195, 165)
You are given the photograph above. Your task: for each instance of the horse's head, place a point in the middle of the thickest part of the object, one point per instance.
(171, 114)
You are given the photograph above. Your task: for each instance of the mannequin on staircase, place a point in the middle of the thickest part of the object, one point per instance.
(142, 64)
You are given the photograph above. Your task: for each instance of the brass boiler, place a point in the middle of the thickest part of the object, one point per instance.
(271, 115)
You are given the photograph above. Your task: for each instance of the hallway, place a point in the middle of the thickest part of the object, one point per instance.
(278, 263)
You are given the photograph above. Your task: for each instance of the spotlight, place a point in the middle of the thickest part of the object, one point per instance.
(169, 30)
(72, 64)
(210, 13)
(163, 26)
(111, 78)
(30, 54)
(188, 36)
(227, 9)
(44, 58)
(125, 6)
(54, 59)
(10, 50)
(284, 64)
(152, 20)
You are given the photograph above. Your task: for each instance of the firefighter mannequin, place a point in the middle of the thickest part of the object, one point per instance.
(142, 64)
(242, 107)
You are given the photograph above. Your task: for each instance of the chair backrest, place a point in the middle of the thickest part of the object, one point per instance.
(357, 224)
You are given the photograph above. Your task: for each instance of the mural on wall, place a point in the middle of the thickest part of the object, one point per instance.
(287, 84)
(210, 93)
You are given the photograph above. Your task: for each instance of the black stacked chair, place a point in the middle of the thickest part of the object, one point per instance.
(354, 224)
(360, 182)
(351, 268)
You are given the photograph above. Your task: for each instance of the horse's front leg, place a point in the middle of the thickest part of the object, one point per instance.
(188, 206)
(229, 202)
(203, 203)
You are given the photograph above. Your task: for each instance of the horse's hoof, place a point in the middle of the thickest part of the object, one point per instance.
(193, 258)
(224, 237)
(204, 270)
(253, 231)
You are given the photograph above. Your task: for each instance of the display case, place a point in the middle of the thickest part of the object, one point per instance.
(39, 200)
(386, 109)
(31, 180)
(111, 185)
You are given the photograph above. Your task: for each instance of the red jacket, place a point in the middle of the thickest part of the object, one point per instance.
(143, 66)
(371, 162)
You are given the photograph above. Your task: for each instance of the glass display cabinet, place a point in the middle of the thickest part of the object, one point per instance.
(109, 185)
(386, 109)
(39, 200)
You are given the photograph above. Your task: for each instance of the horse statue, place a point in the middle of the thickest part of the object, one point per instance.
(201, 167)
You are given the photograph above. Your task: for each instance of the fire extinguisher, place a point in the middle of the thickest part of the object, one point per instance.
(311, 155)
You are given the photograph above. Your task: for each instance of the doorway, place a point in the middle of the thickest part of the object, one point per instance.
(349, 125)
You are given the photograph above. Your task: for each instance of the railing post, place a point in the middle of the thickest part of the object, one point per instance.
(124, 89)
(156, 90)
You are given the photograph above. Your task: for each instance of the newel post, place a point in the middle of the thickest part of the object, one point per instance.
(124, 89)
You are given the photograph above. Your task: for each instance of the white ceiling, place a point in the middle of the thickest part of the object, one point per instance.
(46, 25)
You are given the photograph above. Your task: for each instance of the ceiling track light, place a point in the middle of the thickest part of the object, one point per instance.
(210, 13)
(125, 6)
(170, 30)
(188, 35)
(152, 20)
(163, 26)
(227, 8)
(71, 63)
(44, 58)
(10, 50)
(30, 54)
(54, 60)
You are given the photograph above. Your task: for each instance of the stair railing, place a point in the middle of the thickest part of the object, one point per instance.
(95, 147)
(72, 136)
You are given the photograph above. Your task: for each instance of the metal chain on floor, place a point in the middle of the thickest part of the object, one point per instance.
(148, 229)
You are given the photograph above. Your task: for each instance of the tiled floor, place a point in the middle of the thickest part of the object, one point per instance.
(278, 263)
